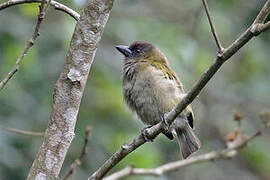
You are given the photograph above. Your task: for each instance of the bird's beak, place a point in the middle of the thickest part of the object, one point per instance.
(124, 50)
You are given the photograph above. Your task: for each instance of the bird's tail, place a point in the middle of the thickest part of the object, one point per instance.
(188, 141)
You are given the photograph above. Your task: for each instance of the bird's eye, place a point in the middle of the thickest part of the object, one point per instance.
(138, 50)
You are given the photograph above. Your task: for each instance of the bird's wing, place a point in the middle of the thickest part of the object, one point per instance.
(168, 73)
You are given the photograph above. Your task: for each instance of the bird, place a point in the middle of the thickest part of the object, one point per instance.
(151, 89)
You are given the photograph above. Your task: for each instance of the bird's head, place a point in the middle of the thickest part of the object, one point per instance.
(141, 51)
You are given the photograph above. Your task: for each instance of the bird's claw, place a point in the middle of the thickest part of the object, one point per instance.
(164, 121)
(145, 134)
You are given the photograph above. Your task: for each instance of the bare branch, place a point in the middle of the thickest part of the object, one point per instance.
(191, 95)
(69, 89)
(63, 8)
(30, 43)
(173, 166)
(22, 132)
(78, 162)
(205, 5)
(261, 17)
(259, 28)
(55, 4)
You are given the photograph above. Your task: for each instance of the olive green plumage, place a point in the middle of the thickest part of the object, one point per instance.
(151, 89)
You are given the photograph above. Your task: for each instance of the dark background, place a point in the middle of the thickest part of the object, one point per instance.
(180, 29)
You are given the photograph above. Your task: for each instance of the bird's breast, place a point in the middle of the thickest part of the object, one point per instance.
(150, 94)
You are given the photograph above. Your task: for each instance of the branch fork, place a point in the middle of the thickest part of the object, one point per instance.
(258, 28)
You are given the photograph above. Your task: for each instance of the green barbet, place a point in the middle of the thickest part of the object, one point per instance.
(152, 89)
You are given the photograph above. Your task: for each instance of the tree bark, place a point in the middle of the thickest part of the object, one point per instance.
(69, 89)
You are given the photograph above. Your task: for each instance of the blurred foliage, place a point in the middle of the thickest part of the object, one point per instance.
(180, 29)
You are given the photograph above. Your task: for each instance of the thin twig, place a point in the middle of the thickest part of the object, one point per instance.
(173, 166)
(55, 4)
(30, 43)
(191, 95)
(78, 162)
(22, 132)
(205, 5)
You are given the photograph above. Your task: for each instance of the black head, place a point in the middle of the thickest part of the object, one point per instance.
(136, 50)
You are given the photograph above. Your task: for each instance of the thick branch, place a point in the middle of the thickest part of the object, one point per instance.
(55, 4)
(173, 166)
(191, 95)
(69, 89)
(30, 43)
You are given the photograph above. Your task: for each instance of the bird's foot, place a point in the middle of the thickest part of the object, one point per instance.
(145, 134)
(164, 121)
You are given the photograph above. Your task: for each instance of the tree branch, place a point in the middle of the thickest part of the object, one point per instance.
(173, 166)
(22, 132)
(261, 17)
(30, 43)
(78, 162)
(69, 89)
(191, 95)
(259, 28)
(55, 4)
(205, 5)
